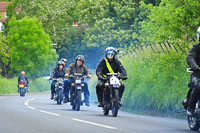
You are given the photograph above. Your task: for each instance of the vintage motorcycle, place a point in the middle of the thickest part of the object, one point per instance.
(76, 90)
(111, 94)
(59, 88)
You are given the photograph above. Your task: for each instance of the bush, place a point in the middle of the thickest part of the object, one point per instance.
(157, 82)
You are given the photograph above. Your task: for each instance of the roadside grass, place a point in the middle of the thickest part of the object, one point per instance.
(9, 86)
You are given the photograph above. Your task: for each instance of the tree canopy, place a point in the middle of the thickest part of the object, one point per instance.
(31, 48)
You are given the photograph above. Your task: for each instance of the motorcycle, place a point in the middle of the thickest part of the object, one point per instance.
(193, 121)
(111, 99)
(22, 88)
(59, 86)
(76, 90)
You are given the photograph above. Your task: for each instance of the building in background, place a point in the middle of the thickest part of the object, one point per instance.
(3, 15)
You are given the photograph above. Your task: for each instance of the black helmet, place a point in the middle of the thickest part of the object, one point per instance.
(80, 57)
(60, 63)
(64, 60)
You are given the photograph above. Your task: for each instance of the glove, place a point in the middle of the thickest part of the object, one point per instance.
(124, 78)
(100, 77)
(66, 75)
(89, 76)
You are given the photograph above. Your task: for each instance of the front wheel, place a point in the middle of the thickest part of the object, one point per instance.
(193, 123)
(78, 100)
(115, 104)
(105, 111)
(60, 97)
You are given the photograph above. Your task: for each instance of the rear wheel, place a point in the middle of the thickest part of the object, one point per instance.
(193, 123)
(78, 100)
(115, 104)
(22, 92)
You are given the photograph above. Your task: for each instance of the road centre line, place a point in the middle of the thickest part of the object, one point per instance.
(31, 107)
(96, 124)
(49, 113)
(26, 103)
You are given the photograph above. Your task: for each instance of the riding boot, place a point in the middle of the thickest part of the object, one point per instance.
(66, 99)
(52, 96)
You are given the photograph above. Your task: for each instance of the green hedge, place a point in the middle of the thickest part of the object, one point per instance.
(157, 82)
(9, 86)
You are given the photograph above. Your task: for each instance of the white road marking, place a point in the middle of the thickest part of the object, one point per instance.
(31, 107)
(49, 113)
(92, 123)
(26, 103)
(32, 98)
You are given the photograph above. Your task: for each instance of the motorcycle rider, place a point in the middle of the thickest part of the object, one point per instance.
(77, 67)
(110, 64)
(59, 72)
(193, 60)
(23, 78)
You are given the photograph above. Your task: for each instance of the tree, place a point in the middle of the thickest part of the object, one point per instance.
(55, 15)
(175, 20)
(31, 49)
(4, 56)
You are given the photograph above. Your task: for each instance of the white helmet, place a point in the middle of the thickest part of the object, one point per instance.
(198, 33)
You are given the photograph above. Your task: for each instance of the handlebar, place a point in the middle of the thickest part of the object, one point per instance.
(58, 78)
(112, 74)
(77, 75)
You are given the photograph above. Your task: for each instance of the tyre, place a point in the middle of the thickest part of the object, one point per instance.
(22, 92)
(105, 111)
(193, 123)
(78, 100)
(73, 101)
(115, 104)
(60, 97)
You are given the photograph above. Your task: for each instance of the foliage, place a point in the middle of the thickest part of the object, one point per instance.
(175, 20)
(3, 49)
(157, 82)
(31, 48)
(92, 88)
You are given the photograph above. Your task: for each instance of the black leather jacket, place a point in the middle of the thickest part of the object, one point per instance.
(115, 64)
(58, 74)
(193, 58)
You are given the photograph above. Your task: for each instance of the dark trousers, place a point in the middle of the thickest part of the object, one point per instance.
(53, 87)
(101, 85)
(195, 92)
(67, 86)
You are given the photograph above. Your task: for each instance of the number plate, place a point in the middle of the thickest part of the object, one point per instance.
(78, 81)
(21, 86)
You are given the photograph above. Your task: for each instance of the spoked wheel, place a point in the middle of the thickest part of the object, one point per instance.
(78, 100)
(115, 106)
(193, 123)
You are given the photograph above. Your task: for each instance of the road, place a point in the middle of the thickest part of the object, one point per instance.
(39, 114)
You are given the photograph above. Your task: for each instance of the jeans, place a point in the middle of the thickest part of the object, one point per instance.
(67, 86)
